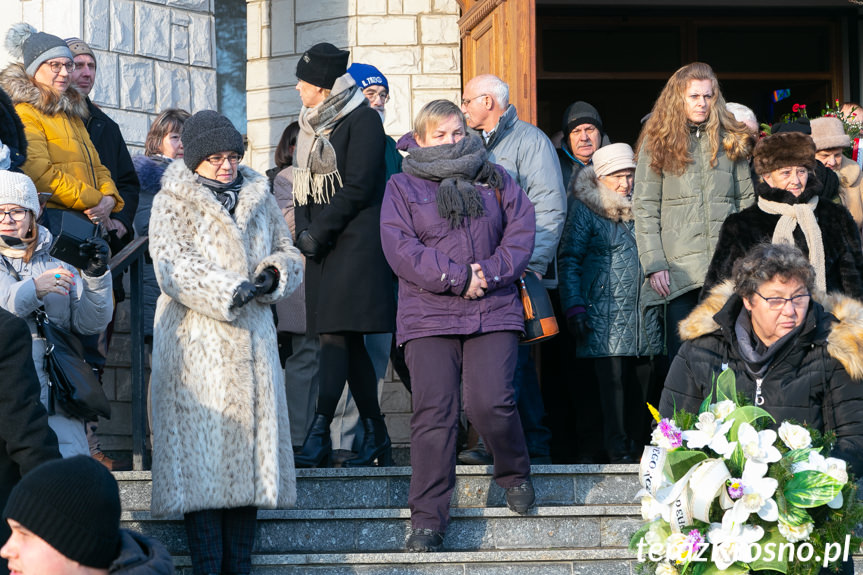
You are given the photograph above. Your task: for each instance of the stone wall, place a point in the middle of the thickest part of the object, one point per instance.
(415, 44)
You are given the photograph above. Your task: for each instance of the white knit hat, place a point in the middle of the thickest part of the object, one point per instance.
(613, 158)
(18, 189)
(828, 133)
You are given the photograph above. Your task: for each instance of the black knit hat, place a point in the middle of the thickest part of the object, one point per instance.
(33, 48)
(322, 64)
(74, 505)
(206, 133)
(579, 113)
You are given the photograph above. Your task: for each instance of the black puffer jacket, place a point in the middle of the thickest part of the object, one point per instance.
(141, 555)
(816, 379)
(843, 259)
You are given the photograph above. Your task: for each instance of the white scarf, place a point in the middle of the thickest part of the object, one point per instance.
(792, 215)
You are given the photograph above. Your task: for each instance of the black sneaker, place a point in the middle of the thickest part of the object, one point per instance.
(476, 455)
(521, 497)
(424, 540)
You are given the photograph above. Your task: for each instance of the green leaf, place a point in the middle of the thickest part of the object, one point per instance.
(745, 414)
(638, 536)
(811, 489)
(798, 455)
(705, 405)
(791, 514)
(681, 460)
(737, 461)
(773, 536)
(726, 386)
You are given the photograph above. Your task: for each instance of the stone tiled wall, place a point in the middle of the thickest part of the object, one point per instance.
(415, 43)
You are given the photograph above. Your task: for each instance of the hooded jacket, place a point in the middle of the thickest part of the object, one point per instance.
(141, 555)
(220, 419)
(529, 157)
(817, 378)
(599, 270)
(431, 260)
(86, 310)
(678, 217)
(843, 259)
(61, 158)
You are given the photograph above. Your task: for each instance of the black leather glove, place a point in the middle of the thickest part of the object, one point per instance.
(98, 252)
(244, 294)
(309, 246)
(579, 325)
(267, 281)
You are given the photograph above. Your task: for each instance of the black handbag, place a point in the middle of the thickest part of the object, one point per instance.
(539, 321)
(75, 228)
(74, 385)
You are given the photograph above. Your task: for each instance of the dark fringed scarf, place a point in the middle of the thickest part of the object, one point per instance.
(226, 194)
(458, 167)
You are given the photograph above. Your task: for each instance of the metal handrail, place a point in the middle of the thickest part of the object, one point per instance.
(132, 257)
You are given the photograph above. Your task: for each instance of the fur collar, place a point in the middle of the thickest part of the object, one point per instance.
(844, 343)
(150, 172)
(603, 202)
(813, 188)
(738, 145)
(849, 173)
(23, 89)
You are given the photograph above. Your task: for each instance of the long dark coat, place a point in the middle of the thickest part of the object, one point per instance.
(843, 259)
(350, 288)
(25, 438)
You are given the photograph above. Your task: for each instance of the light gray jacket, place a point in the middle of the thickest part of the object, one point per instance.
(86, 310)
(530, 158)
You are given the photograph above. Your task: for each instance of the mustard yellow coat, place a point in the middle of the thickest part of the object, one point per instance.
(61, 158)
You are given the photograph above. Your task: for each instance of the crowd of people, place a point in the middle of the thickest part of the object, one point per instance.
(274, 302)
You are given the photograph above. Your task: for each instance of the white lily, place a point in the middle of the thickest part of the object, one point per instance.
(732, 540)
(709, 431)
(723, 409)
(795, 436)
(758, 447)
(757, 495)
(835, 468)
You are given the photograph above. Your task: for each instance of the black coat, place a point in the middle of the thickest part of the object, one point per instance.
(817, 378)
(109, 142)
(12, 132)
(350, 287)
(25, 438)
(843, 259)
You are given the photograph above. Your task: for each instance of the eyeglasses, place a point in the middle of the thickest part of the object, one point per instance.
(219, 160)
(55, 66)
(373, 96)
(466, 101)
(17, 215)
(778, 303)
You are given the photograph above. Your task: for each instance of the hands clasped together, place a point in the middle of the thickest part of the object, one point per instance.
(477, 286)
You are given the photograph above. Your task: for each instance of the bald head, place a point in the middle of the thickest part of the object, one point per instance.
(484, 100)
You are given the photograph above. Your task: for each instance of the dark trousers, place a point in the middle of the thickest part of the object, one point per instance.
(344, 357)
(531, 410)
(221, 540)
(485, 363)
(677, 310)
(623, 395)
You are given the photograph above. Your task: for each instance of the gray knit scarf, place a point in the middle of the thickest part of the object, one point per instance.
(458, 167)
(803, 215)
(316, 173)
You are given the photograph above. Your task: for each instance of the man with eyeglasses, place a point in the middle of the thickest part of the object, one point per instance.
(530, 158)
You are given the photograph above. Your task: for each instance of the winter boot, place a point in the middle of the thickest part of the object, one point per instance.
(317, 446)
(376, 445)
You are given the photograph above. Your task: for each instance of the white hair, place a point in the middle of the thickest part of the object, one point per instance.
(494, 87)
(741, 113)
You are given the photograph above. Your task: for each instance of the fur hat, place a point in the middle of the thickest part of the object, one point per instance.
(579, 113)
(33, 48)
(78, 47)
(18, 189)
(783, 149)
(208, 132)
(74, 505)
(366, 75)
(829, 133)
(613, 158)
(321, 64)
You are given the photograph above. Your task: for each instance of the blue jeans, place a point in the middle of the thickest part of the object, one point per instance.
(530, 407)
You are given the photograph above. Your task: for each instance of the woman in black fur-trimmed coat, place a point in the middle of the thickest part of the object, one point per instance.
(12, 133)
(842, 255)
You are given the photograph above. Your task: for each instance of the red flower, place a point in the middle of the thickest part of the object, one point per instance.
(795, 108)
(802, 106)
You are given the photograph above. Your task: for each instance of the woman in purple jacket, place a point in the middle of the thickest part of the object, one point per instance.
(458, 232)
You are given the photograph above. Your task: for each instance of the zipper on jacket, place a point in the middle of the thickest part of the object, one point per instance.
(759, 399)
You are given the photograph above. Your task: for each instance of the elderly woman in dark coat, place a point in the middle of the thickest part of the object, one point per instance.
(789, 209)
(458, 232)
(600, 288)
(338, 187)
(796, 353)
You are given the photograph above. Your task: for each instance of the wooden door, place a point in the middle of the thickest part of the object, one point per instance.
(499, 37)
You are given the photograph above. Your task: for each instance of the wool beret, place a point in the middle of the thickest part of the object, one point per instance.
(321, 64)
(782, 150)
(206, 133)
(73, 505)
